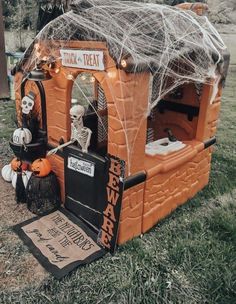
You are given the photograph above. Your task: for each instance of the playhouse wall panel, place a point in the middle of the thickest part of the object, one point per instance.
(57, 111)
(131, 213)
(126, 118)
(164, 192)
(58, 168)
(209, 113)
(213, 115)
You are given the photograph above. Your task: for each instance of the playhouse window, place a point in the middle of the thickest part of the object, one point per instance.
(83, 92)
(88, 92)
(177, 111)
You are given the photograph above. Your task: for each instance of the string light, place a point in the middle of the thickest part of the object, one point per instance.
(92, 79)
(45, 58)
(123, 63)
(111, 74)
(83, 77)
(70, 77)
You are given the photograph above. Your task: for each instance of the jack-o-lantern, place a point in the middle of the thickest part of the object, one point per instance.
(41, 167)
(7, 173)
(22, 136)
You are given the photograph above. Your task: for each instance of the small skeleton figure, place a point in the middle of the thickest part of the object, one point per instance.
(27, 103)
(79, 133)
(76, 114)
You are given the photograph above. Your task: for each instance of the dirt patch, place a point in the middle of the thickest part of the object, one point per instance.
(18, 268)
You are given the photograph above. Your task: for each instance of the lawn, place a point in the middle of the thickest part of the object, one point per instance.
(190, 257)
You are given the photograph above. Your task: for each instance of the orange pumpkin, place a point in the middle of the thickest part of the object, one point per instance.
(16, 164)
(41, 167)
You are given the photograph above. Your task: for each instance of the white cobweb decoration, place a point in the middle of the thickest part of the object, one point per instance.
(173, 43)
(176, 46)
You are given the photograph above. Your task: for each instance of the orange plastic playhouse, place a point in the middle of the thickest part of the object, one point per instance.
(167, 152)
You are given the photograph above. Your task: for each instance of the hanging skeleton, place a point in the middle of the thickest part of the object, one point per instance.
(79, 133)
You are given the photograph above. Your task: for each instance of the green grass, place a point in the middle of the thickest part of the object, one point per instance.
(190, 257)
(7, 126)
(7, 118)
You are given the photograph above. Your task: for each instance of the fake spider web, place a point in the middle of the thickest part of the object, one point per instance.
(158, 36)
(176, 46)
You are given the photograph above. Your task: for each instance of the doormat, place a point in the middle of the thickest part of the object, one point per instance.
(60, 242)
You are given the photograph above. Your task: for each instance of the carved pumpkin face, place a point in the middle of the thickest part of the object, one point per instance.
(41, 167)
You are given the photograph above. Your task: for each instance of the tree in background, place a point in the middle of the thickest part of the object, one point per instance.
(19, 13)
(31, 15)
(24, 13)
(49, 10)
(19, 16)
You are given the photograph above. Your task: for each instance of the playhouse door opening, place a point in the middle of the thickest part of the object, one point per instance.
(85, 173)
(88, 92)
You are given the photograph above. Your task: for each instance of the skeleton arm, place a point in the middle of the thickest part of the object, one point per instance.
(73, 139)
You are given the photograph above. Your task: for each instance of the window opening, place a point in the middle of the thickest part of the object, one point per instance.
(88, 93)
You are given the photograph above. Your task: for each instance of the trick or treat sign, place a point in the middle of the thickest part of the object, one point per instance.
(108, 233)
(83, 59)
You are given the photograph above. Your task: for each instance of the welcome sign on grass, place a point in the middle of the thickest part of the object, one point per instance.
(59, 241)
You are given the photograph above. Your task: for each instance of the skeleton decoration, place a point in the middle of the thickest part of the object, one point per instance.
(79, 133)
(27, 103)
(76, 114)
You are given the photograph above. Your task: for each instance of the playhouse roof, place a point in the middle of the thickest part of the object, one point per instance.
(166, 40)
(146, 31)
(150, 33)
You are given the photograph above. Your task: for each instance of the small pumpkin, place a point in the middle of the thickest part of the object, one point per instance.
(41, 167)
(25, 177)
(22, 136)
(16, 164)
(7, 173)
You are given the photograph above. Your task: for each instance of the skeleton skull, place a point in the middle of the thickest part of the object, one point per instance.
(27, 104)
(76, 112)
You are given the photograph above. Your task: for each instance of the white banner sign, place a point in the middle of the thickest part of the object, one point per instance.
(89, 60)
(81, 166)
